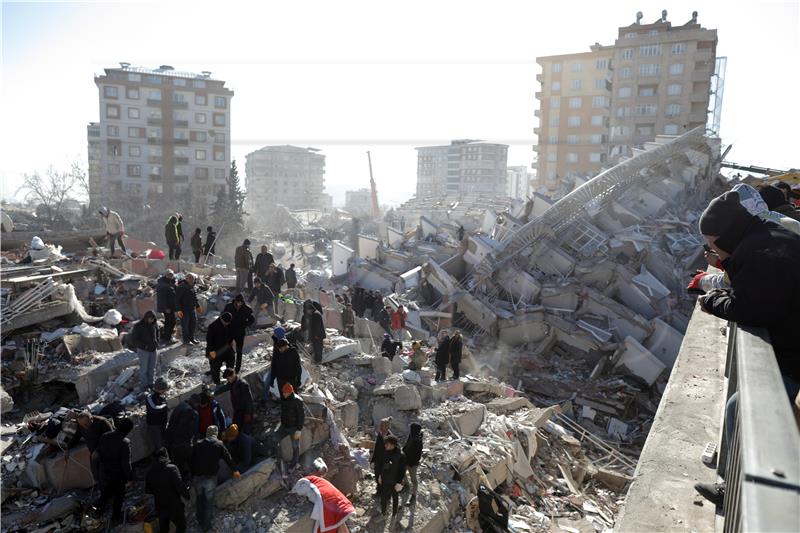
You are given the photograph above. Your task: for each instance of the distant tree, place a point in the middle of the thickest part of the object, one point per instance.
(81, 179)
(228, 208)
(50, 190)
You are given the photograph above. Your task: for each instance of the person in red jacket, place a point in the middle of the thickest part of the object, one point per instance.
(399, 322)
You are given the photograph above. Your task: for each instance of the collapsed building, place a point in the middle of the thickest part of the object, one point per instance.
(573, 312)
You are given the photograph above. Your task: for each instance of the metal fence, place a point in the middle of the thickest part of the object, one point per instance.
(760, 461)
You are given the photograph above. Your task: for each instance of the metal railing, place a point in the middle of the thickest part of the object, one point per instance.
(761, 461)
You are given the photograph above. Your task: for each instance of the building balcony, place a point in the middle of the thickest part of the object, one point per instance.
(701, 75)
(697, 117)
(153, 121)
(180, 105)
(180, 142)
(537, 113)
(181, 123)
(703, 55)
(155, 140)
(537, 130)
(180, 179)
(698, 97)
(538, 95)
(154, 160)
(540, 78)
(181, 160)
(154, 177)
(153, 103)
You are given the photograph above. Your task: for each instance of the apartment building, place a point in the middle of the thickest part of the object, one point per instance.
(464, 166)
(286, 175)
(598, 106)
(358, 201)
(161, 132)
(519, 181)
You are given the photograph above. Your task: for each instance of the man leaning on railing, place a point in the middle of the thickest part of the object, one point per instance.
(762, 261)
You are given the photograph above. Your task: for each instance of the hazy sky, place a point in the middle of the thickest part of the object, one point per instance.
(351, 76)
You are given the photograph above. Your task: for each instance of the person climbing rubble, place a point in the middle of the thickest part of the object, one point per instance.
(456, 349)
(114, 453)
(219, 346)
(312, 325)
(442, 357)
(157, 413)
(144, 337)
(331, 509)
(209, 412)
(206, 455)
(163, 480)
(285, 366)
(348, 321)
(166, 303)
(293, 418)
(244, 449)
(413, 452)
(115, 229)
(262, 296)
(274, 279)
(241, 400)
(90, 429)
(184, 423)
(389, 347)
(399, 318)
(392, 474)
(243, 260)
(188, 308)
(242, 318)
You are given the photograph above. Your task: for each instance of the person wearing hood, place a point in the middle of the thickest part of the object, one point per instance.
(182, 427)
(219, 346)
(392, 473)
(166, 303)
(762, 261)
(285, 367)
(413, 453)
(389, 347)
(241, 319)
(157, 413)
(196, 243)
(115, 229)
(188, 307)
(163, 480)
(442, 356)
(144, 337)
(385, 319)
(243, 260)
(777, 201)
(114, 452)
(378, 451)
(172, 237)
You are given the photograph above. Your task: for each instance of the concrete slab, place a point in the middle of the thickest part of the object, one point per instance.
(638, 360)
(253, 483)
(470, 418)
(406, 398)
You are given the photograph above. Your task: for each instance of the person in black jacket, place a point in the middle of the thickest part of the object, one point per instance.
(285, 366)
(275, 279)
(187, 306)
(390, 480)
(205, 466)
(262, 296)
(114, 452)
(262, 262)
(241, 319)
(172, 237)
(244, 448)
(313, 327)
(144, 337)
(378, 308)
(181, 237)
(293, 418)
(456, 347)
(163, 480)
(762, 261)
(385, 319)
(442, 356)
(777, 201)
(209, 248)
(413, 453)
(241, 401)
(291, 277)
(378, 451)
(91, 428)
(157, 413)
(181, 429)
(196, 243)
(389, 347)
(219, 347)
(166, 303)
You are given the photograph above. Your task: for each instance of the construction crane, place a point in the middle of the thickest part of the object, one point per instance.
(376, 211)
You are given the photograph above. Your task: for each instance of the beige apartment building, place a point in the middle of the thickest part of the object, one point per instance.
(286, 175)
(598, 106)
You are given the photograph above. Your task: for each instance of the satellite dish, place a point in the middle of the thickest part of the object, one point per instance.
(639, 16)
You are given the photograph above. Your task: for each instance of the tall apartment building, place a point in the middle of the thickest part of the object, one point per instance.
(358, 201)
(287, 175)
(519, 181)
(597, 106)
(464, 166)
(161, 132)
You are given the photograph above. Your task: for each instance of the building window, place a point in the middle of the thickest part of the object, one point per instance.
(647, 91)
(134, 132)
(599, 101)
(219, 119)
(113, 169)
(576, 85)
(178, 98)
(597, 120)
(551, 157)
(644, 130)
(574, 122)
(676, 69)
(219, 173)
(649, 69)
(650, 50)
(134, 77)
(552, 139)
(155, 80)
(554, 122)
(200, 99)
(555, 102)
(678, 49)
(221, 102)
(155, 151)
(112, 111)
(199, 84)
(180, 170)
(109, 91)
(219, 155)
(572, 139)
(154, 133)
(601, 64)
(652, 32)
(179, 82)
(600, 84)
(575, 102)
(134, 150)
(154, 114)
(132, 93)
(625, 73)
(133, 112)
(134, 171)
(594, 157)
(596, 138)
(673, 110)
(201, 172)
(555, 86)
(114, 148)
(556, 67)
(200, 118)
(674, 89)
(576, 67)
(155, 170)
(645, 110)
(179, 134)
(627, 53)
(200, 155)
(219, 138)
(671, 129)
(112, 131)
(154, 95)
(624, 92)
(572, 157)
(631, 35)
(623, 112)
(198, 136)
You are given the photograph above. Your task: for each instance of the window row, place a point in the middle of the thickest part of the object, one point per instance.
(133, 93)
(155, 133)
(218, 119)
(572, 157)
(135, 171)
(178, 82)
(672, 110)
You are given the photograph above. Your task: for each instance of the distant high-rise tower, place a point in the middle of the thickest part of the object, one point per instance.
(462, 167)
(287, 175)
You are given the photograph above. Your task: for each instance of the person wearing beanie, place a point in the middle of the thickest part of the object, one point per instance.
(163, 480)
(206, 455)
(392, 473)
(777, 201)
(114, 452)
(241, 401)
(243, 261)
(285, 367)
(762, 261)
(219, 345)
(293, 419)
(241, 319)
(243, 448)
(790, 194)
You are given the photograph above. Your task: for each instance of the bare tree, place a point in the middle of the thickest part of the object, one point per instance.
(50, 190)
(81, 178)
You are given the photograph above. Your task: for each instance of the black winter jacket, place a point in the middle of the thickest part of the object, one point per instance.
(261, 295)
(456, 346)
(764, 270)
(157, 411)
(144, 335)
(393, 470)
(165, 295)
(314, 324)
(186, 297)
(291, 278)
(241, 397)
(171, 232)
(163, 481)
(443, 352)
(183, 424)
(413, 447)
(206, 455)
(115, 456)
(286, 366)
(263, 261)
(242, 318)
(218, 337)
(293, 413)
(99, 427)
(197, 243)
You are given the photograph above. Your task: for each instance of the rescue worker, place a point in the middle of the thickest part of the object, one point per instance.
(456, 347)
(90, 429)
(241, 401)
(293, 418)
(219, 347)
(163, 480)
(157, 413)
(205, 466)
(188, 308)
(241, 318)
(442, 356)
(114, 450)
(172, 237)
(243, 260)
(181, 429)
(166, 303)
(144, 337)
(115, 229)
(348, 321)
